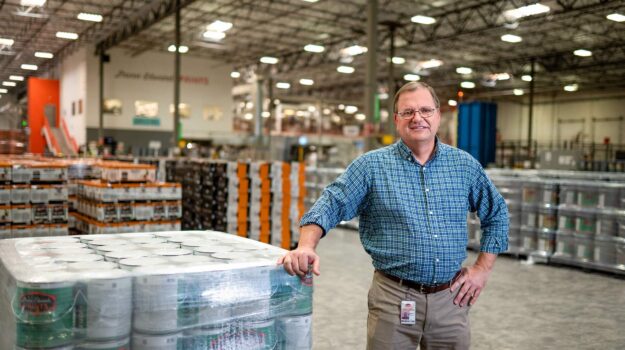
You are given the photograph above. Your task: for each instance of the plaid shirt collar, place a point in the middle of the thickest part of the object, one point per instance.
(405, 152)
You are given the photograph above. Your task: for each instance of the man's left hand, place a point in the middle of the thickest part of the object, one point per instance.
(471, 282)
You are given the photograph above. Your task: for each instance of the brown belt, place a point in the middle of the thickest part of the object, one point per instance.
(420, 287)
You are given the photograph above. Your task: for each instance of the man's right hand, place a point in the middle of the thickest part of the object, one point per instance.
(296, 262)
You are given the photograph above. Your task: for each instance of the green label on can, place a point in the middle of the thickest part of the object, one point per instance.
(44, 316)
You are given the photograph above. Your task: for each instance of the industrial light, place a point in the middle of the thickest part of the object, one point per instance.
(571, 87)
(3, 91)
(423, 19)
(511, 38)
(9, 83)
(265, 114)
(518, 92)
(213, 35)
(235, 75)
(6, 42)
(314, 48)
(311, 1)
(29, 3)
(248, 116)
(526, 77)
(219, 26)
(467, 84)
(411, 77)
(67, 35)
(249, 105)
(341, 107)
(383, 96)
(616, 17)
(268, 60)
(582, 53)
(398, 60)
(502, 76)
(360, 116)
(312, 109)
(464, 70)
(42, 54)
(90, 17)
(181, 49)
(327, 111)
(345, 69)
(351, 109)
(29, 67)
(525, 11)
(16, 77)
(283, 85)
(306, 82)
(452, 103)
(354, 50)
(432, 63)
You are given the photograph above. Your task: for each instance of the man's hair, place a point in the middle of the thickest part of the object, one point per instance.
(412, 86)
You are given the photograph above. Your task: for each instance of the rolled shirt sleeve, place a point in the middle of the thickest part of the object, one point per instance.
(492, 210)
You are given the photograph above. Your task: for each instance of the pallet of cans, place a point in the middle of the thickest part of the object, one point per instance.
(189, 290)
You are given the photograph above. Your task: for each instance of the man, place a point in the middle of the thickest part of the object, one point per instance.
(412, 199)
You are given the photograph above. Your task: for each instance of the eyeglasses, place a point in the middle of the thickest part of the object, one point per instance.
(425, 112)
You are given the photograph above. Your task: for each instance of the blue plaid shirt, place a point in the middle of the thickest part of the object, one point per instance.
(413, 217)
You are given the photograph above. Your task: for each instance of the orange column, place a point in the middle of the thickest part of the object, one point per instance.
(41, 92)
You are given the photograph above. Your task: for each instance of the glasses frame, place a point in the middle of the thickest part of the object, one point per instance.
(419, 111)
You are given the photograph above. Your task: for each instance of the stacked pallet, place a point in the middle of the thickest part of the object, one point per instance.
(33, 198)
(127, 199)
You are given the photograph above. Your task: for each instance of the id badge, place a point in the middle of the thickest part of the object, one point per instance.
(408, 312)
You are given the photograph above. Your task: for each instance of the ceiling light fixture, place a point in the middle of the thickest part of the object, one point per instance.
(265, 114)
(412, 77)
(345, 69)
(89, 17)
(571, 87)
(182, 49)
(29, 67)
(213, 35)
(307, 82)
(6, 42)
(29, 3)
(351, 109)
(467, 84)
(464, 70)
(502, 76)
(41, 54)
(452, 103)
(582, 53)
(314, 48)
(511, 38)
(354, 50)
(526, 77)
(283, 85)
(360, 116)
(423, 19)
(525, 11)
(3, 91)
(9, 83)
(432, 63)
(219, 26)
(235, 75)
(616, 17)
(67, 35)
(268, 60)
(398, 60)
(518, 92)
(16, 77)
(310, 1)
(383, 96)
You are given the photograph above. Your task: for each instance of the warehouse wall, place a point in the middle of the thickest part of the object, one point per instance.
(73, 80)
(149, 77)
(576, 109)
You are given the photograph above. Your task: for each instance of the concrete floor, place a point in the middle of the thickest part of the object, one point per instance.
(523, 306)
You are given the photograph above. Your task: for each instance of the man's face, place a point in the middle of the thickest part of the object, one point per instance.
(417, 129)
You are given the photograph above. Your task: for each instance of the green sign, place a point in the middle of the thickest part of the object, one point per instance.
(144, 121)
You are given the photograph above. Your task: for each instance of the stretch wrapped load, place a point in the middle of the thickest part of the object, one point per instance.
(165, 290)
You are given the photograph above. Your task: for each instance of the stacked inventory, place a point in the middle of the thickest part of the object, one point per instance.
(12, 141)
(125, 199)
(539, 217)
(298, 195)
(173, 290)
(33, 198)
(238, 199)
(260, 201)
(592, 225)
(78, 170)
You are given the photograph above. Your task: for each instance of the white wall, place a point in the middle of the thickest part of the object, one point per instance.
(127, 79)
(73, 85)
(576, 110)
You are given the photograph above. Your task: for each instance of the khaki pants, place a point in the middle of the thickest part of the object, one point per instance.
(439, 323)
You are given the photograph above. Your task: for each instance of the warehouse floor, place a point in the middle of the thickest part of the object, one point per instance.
(523, 307)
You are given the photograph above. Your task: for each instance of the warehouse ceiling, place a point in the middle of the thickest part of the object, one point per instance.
(464, 34)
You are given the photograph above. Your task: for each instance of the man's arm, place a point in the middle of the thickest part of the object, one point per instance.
(473, 279)
(298, 260)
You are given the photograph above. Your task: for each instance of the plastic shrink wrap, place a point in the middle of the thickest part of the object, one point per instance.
(156, 291)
